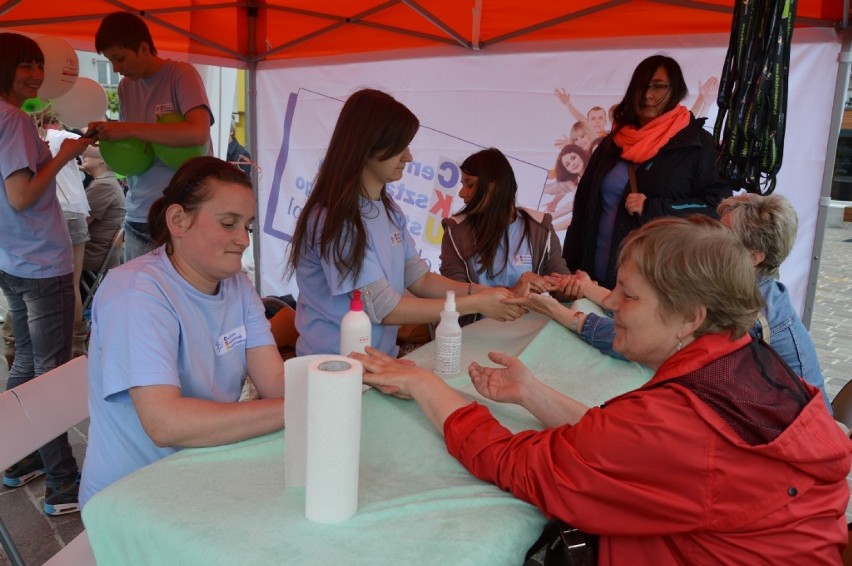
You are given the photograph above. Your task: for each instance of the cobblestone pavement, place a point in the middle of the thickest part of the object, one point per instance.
(39, 536)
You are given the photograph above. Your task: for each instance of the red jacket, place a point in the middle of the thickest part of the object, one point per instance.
(664, 479)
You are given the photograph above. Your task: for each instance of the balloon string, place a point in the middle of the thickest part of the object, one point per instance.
(243, 160)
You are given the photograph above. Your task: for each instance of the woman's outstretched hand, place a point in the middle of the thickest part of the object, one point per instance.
(508, 384)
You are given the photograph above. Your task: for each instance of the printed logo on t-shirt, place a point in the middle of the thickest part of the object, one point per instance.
(396, 238)
(522, 259)
(230, 340)
(163, 108)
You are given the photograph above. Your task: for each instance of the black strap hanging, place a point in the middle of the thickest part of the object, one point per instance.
(749, 129)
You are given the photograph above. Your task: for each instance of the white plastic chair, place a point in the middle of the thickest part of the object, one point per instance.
(33, 413)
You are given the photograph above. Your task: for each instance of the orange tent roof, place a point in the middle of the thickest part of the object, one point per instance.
(294, 29)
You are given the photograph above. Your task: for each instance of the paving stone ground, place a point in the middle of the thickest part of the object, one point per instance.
(39, 536)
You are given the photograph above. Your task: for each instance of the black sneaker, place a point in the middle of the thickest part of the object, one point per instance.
(62, 500)
(24, 471)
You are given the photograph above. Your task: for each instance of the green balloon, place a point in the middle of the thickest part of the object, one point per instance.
(127, 157)
(33, 105)
(174, 157)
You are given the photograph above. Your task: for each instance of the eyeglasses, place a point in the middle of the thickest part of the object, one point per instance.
(657, 88)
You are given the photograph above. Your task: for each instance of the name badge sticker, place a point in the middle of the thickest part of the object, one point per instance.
(230, 340)
(163, 108)
(396, 238)
(523, 259)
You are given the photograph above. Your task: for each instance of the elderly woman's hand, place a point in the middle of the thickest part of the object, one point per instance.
(542, 304)
(390, 375)
(507, 384)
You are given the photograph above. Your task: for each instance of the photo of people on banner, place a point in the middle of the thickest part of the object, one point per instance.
(585, 134)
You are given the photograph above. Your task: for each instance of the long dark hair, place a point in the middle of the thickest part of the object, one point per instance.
(625, 113)
(562, 174)
(492, 208)
(190, 188)
(372, 124)
(14, 50)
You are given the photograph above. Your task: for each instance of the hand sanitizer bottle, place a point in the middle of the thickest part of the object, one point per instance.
(448, 338)
(355, 328)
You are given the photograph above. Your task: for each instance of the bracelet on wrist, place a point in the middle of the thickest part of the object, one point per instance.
(575, 321)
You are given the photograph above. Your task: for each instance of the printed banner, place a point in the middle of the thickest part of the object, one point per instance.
(545, 111)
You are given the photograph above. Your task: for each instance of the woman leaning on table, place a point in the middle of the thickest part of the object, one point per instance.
(176, 331)
(725, 456)
(493, 241)
(351, 235)
(674, 161)
(766, 225)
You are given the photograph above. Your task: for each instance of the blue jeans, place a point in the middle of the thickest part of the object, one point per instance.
(42, 316)
(136, 240)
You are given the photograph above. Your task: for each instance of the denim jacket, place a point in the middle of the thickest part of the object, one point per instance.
(787, 335)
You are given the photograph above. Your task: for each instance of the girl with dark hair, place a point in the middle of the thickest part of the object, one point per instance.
(492, 240)
(351, 235)
(176, 331)
(656, 140)
(35, 258)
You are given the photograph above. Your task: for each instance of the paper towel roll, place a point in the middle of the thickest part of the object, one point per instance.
(333, 440)
(329, 420)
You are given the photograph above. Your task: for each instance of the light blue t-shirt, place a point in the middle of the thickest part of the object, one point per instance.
(519, 259)
(324, 299)
(151, 327)
(34, 242)
(175, 87)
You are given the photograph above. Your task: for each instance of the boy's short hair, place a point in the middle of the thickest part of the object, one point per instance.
(123, 29)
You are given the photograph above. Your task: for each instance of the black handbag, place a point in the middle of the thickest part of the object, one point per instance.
(561, 544)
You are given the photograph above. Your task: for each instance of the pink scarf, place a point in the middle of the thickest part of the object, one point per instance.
(641, 144)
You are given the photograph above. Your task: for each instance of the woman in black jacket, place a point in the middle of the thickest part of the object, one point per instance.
(673, 160)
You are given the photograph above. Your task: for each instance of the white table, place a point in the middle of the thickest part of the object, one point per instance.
(227, 505)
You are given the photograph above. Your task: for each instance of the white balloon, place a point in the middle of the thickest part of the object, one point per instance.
(85, 102)
(61, 66)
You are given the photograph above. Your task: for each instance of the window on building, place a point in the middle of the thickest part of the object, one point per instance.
(106, 76)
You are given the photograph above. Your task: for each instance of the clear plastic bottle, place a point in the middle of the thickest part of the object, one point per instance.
(355, 328)
(448, 339)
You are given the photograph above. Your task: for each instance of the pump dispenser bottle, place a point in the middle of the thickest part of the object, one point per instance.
(448, 338)
(355, 328)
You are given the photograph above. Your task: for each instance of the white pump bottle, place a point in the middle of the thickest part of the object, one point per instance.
(448, 338)
(355, 328)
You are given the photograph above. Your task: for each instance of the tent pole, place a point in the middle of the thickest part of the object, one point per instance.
(250, 94)
(840, 88)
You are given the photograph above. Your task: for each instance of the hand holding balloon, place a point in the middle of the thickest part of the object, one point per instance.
(174, 157)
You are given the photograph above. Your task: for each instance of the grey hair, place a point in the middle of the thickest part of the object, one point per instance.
(765, 224)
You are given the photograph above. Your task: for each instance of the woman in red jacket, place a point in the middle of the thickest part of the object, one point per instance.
(723, 457)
